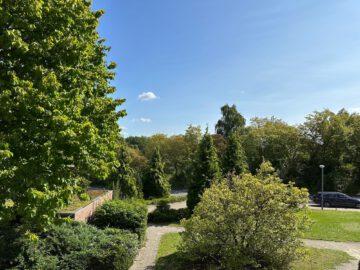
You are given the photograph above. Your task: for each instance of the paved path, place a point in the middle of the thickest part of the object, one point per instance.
(317, 207)
(175, 205)
(182, 192)
(352, 248)
(146, 258)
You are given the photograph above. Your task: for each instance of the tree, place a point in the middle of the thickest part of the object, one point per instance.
(177, 160)
(139, 164)
(354, 142)
(247, 222)
(274, 140)
(124, 179)
(138, 142)
(230, 121)
(193, 137)
(205, 170)
(58, 122)
(327, 138)
(155, 182)
(234, 160)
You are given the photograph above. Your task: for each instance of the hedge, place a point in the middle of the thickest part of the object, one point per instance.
(127, 215)
(74, 245)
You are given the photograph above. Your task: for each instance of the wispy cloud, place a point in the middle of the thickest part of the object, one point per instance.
(145, 96)
(142, 120)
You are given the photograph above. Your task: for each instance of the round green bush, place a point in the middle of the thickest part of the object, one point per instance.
(247, 222)
(126, 215)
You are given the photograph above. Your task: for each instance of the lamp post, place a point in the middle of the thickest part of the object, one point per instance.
(322, 186)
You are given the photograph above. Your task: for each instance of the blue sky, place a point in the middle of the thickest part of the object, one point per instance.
(283, 58)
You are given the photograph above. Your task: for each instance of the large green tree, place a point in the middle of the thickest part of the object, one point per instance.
(230, 121)
(58, 124)
(328, 139)
(234, 160)
(274, 140)
(155, 182)
(205, 170)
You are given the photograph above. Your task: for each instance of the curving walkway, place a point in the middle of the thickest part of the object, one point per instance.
(146, 258)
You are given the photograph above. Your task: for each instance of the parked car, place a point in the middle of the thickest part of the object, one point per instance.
(336, 199)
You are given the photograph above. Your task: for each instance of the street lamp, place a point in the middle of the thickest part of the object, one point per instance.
(322, 186)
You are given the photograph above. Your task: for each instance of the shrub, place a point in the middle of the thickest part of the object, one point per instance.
(127, 215)
(170, 199)
(84, 197)
(163, 214)
(247, 222)
(70, 246)
(19, 252)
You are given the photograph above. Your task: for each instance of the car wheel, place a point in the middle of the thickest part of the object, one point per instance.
(327, 204)
(357, 205)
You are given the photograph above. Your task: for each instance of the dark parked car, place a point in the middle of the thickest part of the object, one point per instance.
(336, 199)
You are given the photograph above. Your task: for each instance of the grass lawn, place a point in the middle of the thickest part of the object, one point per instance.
(321, 259)
(77, 203)
(342, 226)
(316, 259)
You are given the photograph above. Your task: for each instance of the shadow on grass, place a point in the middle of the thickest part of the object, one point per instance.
(175, 262)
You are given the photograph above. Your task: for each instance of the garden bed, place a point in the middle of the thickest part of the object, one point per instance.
(83, 210)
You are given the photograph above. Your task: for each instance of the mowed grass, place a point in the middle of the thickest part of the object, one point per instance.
(341, 226)
(168, 244)
(321, 259)
(316, 259)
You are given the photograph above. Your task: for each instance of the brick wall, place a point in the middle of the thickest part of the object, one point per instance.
(87, 211)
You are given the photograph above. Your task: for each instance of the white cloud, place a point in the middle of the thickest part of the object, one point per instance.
(142, 120)
(145, 96)
(145, 120)
(354, 110)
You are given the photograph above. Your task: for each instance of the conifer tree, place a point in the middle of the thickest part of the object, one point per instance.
(155, 183)
(234, 160)
(205, 170)
(124, 179)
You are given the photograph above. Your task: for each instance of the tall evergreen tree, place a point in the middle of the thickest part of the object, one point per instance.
(205, 170)
(234, 160)
(124, 178)
(155, 182)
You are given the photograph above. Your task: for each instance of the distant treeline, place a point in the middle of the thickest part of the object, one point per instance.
(328, 138)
